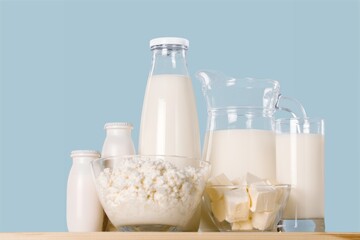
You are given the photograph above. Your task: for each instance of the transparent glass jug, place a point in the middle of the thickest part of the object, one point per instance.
(240, 135)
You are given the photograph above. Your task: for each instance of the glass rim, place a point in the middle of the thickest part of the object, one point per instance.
(234, 109)
(122, 157)
(301, 119)
(147, 155)
(284, 185)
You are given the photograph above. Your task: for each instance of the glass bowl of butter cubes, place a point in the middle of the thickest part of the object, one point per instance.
(245, 204)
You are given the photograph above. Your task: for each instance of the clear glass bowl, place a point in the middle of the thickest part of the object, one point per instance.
(151, 193)
(246, 208)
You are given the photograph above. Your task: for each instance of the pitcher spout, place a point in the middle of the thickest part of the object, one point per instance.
(211, 81)
(209, 77)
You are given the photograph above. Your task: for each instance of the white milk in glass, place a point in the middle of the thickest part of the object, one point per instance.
(300, 162)
(236, 152)
(169, 124)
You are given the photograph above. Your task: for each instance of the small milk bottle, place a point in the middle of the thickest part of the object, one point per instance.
(118, 140)
(169, 121)
(84, 212)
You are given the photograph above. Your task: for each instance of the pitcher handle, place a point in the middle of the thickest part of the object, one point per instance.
(306, 125)
(279, 106)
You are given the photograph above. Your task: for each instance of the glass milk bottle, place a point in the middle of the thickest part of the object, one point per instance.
(169, 122)
(118, 140)
(84, 212)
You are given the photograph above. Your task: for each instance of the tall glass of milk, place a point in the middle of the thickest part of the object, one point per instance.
(300, 162)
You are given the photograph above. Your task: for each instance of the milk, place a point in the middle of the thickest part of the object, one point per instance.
(169, 123)
(238, 151)
(300, 162)
(84, 212)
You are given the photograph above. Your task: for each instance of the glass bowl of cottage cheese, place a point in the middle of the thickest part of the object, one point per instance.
(245, 204)
(151, 193)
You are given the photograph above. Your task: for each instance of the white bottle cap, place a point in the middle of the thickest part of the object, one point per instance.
(169, 40)
(118, 125)
(85, 153)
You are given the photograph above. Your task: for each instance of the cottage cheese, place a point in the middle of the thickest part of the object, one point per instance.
(147, 192)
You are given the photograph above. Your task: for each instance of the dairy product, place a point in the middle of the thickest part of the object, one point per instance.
(300, 162)
(151, 192)
(84, 212)
(252, 203)
(247, 180)
(238, 151)
(217, 193)
(220, 180)
(169, 123)
(250, 179)
(237, 204)
(263, 220)
(118, 140)
(241, 225)
(218, 209)
(264, 198)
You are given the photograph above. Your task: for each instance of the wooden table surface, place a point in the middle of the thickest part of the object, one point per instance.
(175, 236)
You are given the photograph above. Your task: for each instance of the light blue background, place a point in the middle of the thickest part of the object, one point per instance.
(68, 67)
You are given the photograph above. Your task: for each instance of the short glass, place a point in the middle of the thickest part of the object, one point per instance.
(300, 162)
(239, 208)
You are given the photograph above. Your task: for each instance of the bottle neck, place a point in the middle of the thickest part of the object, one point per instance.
(169, 59)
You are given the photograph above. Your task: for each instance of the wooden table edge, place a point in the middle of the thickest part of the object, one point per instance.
(174, 236)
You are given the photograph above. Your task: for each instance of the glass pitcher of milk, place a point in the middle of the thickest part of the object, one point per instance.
(169, 121)
(240, 135)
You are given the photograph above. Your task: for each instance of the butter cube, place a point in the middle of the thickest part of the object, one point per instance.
(250, 179)
(215, 193)
(264, 198)
(241, 226)
(237, 181)
(264, 220)
(219, 180)
(237, 204)
(271, 182)
(218, 209)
